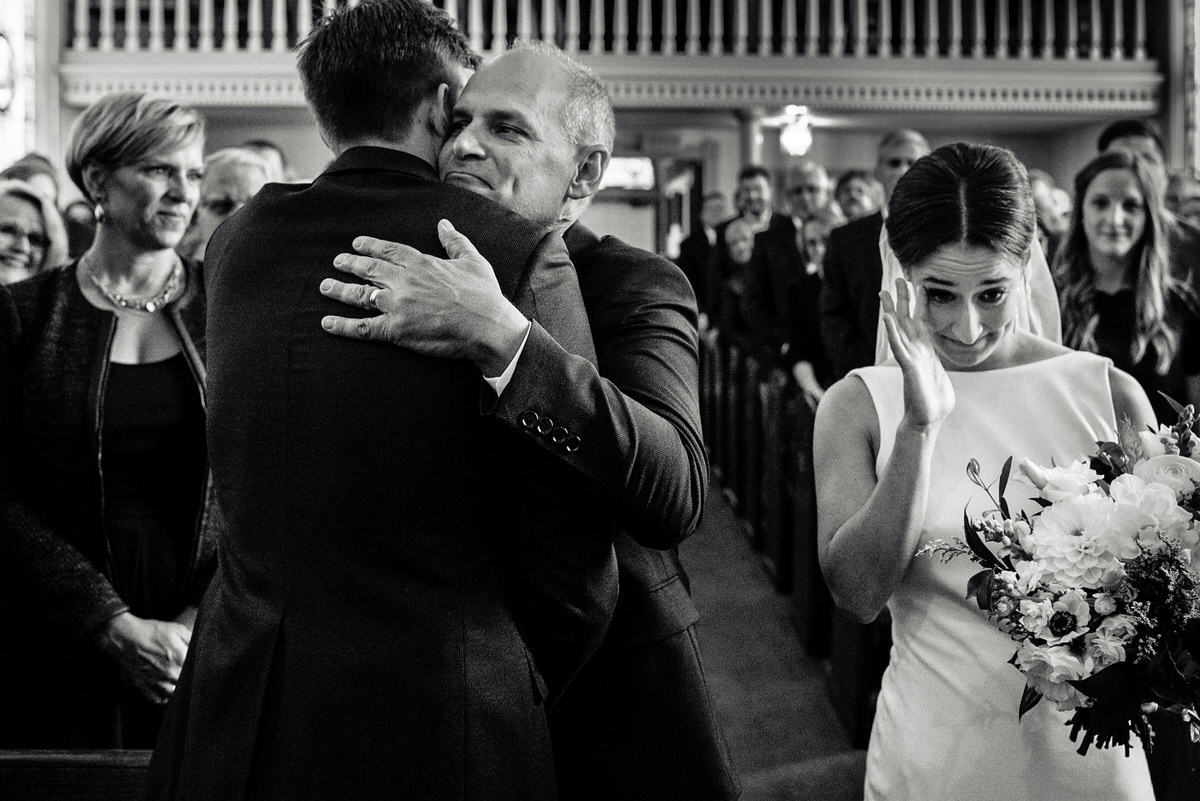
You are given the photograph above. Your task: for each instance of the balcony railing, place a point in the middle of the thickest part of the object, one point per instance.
(996, 55)
(1113, 30)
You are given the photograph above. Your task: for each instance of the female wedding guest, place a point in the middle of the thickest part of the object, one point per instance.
(892, 444)
(32, 235)
(1122, 290)
(106, 525)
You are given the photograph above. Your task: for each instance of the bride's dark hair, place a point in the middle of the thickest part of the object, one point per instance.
(962, 193)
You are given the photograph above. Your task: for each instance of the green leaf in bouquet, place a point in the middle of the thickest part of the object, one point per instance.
(983, 554)
(1029, 699)
(1109, 461)
(1117, 692)
(979, 587)
(1002, 486)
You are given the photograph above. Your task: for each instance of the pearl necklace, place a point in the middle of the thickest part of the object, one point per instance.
(148, 305)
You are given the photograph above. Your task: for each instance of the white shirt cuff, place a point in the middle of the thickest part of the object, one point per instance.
(499, 383)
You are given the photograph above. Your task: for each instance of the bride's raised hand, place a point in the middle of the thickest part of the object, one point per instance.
(928, 394)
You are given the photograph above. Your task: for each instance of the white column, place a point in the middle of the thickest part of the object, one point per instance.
(750, 128)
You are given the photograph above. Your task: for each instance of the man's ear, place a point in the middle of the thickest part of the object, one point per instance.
(438, 119)
(593, 161)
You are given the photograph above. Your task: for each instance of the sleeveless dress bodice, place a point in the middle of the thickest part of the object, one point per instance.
(946, 725)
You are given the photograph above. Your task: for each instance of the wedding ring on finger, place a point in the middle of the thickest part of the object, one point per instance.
(371, 298)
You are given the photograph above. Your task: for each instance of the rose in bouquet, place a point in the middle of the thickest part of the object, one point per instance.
(1098, 589)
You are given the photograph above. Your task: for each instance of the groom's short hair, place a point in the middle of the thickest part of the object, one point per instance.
(366, 68)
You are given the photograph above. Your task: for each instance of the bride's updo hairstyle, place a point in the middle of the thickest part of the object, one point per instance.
(962, 194)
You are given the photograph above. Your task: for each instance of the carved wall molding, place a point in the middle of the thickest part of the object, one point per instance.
(689, 83)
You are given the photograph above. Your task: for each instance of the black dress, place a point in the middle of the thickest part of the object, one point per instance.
(1114, 334)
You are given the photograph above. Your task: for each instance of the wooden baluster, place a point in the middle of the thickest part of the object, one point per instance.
(692, 48)
(206, 23)
(1139, 42)
(499, 25)
(837, 27)
(1072, 31)
(229, 26)
(716, 29)
(182, 44)
(107, 25)
(956, 32)
(643, 27)
(83, 35)
(1025, 47)
(885, 29)
(765, 29)
(279, 42)
(1118, 31)
(669, 28)
(1048, 30)
(304, 19)
(133, 14)
(571, 36)
(254, 27)
(524, 20)
(908, 30)
(812, 28)
(790, 30)
(620, 28)
(1002, 36)
(549, 27)
(1097, 26)
(156, 26)
(980, 37)
(859, 47)
(475, 24)
(741, 25)
(933, 29)
(450, 7)
(597, 43)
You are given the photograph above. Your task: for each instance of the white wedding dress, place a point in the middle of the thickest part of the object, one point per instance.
(946, 726)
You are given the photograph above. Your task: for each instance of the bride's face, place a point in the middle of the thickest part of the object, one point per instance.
(972, 295)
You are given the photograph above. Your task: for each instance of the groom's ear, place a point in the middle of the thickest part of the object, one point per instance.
(438, 120)
(589, 171)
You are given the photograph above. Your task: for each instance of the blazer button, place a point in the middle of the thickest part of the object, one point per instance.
(571, 443)
(529, 419)
(558, 434)
(545, 425)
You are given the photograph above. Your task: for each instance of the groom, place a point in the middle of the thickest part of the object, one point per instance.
(359, 640)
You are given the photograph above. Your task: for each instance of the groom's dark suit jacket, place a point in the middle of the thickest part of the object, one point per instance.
(638, 721)
(359, 640)
(850, 294)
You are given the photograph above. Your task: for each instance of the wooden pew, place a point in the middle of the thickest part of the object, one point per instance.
(72, 775)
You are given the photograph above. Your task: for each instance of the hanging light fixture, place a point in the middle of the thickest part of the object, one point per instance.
(795, 137)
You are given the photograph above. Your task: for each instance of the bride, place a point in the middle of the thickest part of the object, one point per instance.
(891, 447)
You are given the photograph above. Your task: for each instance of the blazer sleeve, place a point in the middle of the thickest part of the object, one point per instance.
(632, 427)
(764, 320)
(39, 570)
(837, 308)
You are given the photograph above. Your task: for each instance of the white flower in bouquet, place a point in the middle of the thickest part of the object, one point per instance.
(1105, 648)
(1050, 669)
(1059, 483)
(1164, 441)
(1177, 472)
(1076, 540)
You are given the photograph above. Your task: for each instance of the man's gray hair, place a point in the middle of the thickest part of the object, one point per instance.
(587, 116)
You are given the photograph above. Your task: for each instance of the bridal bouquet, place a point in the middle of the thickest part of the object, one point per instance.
(1098, 589)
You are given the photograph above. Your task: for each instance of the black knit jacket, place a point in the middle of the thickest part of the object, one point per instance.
(54, 557)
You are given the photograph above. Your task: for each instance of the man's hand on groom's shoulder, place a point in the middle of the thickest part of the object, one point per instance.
(451, 308)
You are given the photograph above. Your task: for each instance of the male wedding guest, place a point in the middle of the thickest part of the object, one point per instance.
(637, 722)
(858, 193)
(810, 193)
(275, 157)
(359, 639)
(232, 176)
(697, 248)
(854, 268)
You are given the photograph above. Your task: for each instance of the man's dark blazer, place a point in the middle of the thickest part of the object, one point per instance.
(850, 294)
(637, 722)
(358, 640)
(722, 271)
(782, 302)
